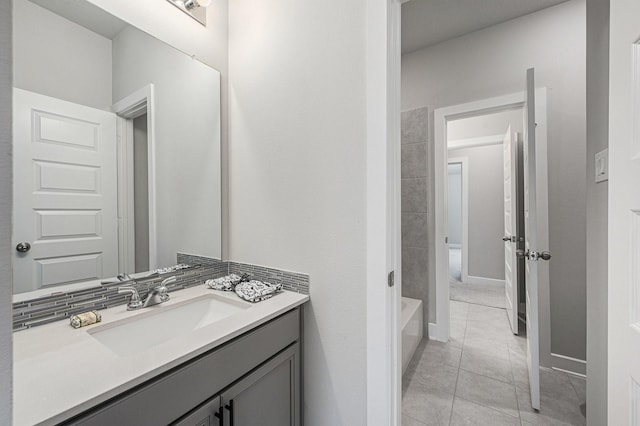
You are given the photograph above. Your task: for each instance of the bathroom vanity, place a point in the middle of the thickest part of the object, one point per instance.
(118, 182)
(234, 370)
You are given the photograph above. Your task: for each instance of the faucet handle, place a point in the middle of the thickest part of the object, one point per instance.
(134, 302)
(162, 288)
(168, 281)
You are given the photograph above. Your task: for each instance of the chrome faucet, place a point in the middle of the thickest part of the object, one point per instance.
(156, 295)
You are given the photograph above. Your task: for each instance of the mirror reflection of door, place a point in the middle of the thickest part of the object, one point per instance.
(64, 188)
(100, 191)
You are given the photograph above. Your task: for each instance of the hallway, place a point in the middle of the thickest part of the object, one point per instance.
(480, 378)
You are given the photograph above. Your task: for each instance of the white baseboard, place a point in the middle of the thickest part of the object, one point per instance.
(482, 280)
(569, 365)
(437, 333)
(455, 246)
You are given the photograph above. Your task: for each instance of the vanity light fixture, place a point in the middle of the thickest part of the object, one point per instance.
(192, 4)
(197, 9)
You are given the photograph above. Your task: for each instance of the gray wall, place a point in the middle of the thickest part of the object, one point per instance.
(454, 198)
(486, 210)
(6, 288)
(298, 188)
(187, 143)
(597, 206)
(415, 208)
(492, 62)
(42, 38)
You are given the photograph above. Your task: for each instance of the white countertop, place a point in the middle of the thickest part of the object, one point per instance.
(59, 371)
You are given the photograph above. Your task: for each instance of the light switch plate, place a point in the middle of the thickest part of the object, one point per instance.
(602, 166)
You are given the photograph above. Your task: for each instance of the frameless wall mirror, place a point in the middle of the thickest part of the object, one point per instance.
(116, 150)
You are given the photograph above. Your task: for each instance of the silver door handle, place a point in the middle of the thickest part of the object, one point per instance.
(508, 239)
(23, 247)
(534, 255)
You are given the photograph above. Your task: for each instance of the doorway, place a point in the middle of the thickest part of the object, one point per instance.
(476, 206)
(455, 147)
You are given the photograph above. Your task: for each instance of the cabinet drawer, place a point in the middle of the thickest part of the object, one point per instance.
(171, 395)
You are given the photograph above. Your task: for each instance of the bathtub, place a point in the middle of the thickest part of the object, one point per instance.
(411, 323)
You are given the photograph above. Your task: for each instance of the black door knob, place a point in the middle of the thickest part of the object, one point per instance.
(23, 247)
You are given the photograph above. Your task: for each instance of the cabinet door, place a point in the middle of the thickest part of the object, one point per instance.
(270, 396)
(208, 414)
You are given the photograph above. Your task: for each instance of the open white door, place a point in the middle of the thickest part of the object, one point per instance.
(624, 215)
(65, 225)
(534, 237)
(510, 159)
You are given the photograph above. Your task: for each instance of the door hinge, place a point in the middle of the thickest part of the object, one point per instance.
(391, 279)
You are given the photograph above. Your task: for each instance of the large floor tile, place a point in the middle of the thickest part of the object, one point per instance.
(520, 372)
(488, 392)
(431, 408)
(468, 413)
(458, 308)
(484, 330)
(436, 353)
(477, 295)
(457, 332)
(487, 364)
(580, 386)
(435, 378)
(486, 344)
(552, 383)
(554, 410)
(555, 383)
(410, 421)
(518, 344)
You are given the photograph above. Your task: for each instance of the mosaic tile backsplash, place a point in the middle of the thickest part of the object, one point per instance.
(55, 307)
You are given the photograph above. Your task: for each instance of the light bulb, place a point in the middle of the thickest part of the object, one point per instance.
(204, 3)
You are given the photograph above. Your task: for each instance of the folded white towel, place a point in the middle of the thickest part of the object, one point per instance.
(256, 291)
(226, 283)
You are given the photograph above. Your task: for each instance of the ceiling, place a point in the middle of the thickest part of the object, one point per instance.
(87, 15)
(428, 22)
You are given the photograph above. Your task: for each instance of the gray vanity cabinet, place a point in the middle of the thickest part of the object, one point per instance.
(267, 397)
(251, 380)
(208, 414)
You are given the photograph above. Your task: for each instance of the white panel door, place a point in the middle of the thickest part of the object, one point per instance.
(64, 192)
(510, 160)
(531, 241)
(624, 215)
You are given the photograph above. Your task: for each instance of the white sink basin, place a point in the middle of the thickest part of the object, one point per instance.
(160, 323)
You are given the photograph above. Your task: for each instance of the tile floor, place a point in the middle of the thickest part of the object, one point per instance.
(479, 294)
(480, 378)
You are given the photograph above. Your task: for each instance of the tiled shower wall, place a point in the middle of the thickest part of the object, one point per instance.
(415, 208)
(59, 306)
